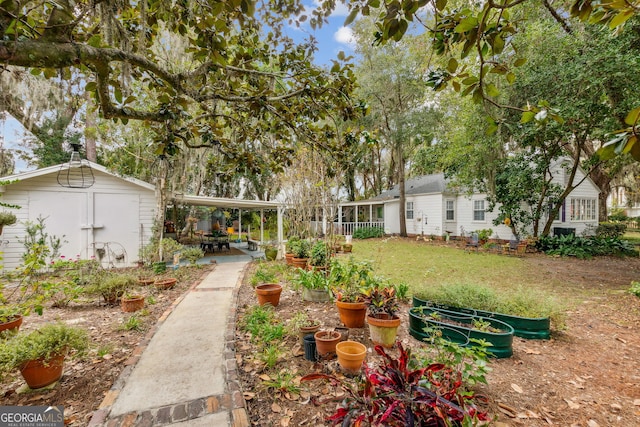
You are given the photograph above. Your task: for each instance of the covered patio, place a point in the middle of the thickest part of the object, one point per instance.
(364, 213)
(242, 205)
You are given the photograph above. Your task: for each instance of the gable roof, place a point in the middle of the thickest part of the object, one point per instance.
(425, 184)
(55, 168)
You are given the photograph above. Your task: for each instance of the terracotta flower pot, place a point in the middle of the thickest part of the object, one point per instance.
(299, 262)
(39, 373)
(306, 330)
(12, 325)
(269, 293)
(326, 342)
(352, 314)
(351, 355)
(134, 303)
(165, 283)
(288, 259)
(143, 281)
(383, 331)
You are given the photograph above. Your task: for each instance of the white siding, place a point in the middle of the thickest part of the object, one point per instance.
(112, 210)
(465, 219)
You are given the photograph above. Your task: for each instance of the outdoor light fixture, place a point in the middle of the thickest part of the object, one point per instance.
(77, 172)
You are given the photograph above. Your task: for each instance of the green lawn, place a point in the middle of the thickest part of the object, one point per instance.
(419, 264)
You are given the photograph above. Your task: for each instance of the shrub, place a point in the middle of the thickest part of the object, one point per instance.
(319, 254)
(192, 254)
(611, 230)
(151, 252)
(368, 232)
(635, 289)
(584, 247)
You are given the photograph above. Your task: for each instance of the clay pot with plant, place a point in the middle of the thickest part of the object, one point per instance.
(292, 241)
(40, 354)
(10, 317)
(111, 286)
(319, 255)
(302, 325)
(132, 301)
(382, 308)
(348, 282)
(301, 252)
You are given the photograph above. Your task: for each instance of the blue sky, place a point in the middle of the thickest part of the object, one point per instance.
(332, 38)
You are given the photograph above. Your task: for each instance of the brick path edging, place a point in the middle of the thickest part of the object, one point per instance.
(232, 400)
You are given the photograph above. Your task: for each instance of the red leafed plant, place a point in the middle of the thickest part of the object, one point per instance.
(393, 395)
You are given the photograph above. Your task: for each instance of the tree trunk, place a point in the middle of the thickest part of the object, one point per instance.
(401, 179)
(90, 131)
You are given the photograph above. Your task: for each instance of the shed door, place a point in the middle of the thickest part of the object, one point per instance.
(117, 222)
(65, 215)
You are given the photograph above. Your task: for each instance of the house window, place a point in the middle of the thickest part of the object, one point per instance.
(478, 210)
(449, 211)
(380, 212)
(409, 210)
(583, 210)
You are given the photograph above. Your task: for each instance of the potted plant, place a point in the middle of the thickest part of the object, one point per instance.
(270, 252)
(131, 302)
(7, 218)
(165, 283)
(484, 235)
(315, 285)
(348, 282)
(39, 355)
(111, 286)
(319, 256)
(302, 325)
(382, 306)
(292, 241)
(10, 317)
(301, 252)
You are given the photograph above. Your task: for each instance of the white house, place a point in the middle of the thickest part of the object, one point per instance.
(111, 219)
(433, 207)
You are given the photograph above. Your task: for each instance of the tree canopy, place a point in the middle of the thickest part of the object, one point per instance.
(237, 70)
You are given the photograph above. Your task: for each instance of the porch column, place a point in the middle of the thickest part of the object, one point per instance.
(261, 226)
(280, 232)
(370, 214)
(240, 224)
(340, 219)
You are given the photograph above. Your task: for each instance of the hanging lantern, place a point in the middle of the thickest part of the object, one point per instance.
(77, 172)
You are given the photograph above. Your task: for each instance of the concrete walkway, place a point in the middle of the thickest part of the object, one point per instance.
(184, 372)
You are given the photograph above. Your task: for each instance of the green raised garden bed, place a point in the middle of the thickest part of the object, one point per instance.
(501, 337)
(537, 328)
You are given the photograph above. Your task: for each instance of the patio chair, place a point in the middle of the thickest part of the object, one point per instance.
(472, 242)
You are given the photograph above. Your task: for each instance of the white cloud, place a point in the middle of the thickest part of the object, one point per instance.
(345, 36)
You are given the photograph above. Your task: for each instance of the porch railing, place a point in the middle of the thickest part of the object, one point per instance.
(347, 228)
